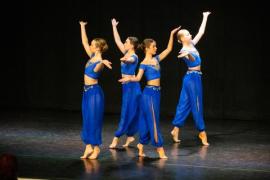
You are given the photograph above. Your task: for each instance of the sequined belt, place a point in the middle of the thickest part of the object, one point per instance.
(87, 87)
(155, 88)
(196, 72)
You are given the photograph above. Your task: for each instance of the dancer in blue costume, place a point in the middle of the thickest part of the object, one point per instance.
(93, 97)
(190, 99)
(131, 91)
(149, 128)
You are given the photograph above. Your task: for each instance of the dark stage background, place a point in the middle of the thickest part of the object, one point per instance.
(49, 73)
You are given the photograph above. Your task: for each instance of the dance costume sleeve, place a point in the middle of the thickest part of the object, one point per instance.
(143, 66)
(157, 58)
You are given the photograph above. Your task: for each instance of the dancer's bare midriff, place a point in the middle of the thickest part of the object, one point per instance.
(154, 82)
(89, 81)
(196, 68)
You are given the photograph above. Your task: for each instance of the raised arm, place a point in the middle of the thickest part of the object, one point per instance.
(85, 39)
(136, 78)
(116, 36)
(165, 53)
(202, 28)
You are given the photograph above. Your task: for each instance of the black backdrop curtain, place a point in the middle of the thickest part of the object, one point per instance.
(233, 49)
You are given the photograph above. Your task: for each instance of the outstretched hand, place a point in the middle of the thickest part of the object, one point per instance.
(175, 30)
(183, 54)
(83, 23)
(206, 13)
(114, 22)
(124, 58)
(107, 63)
(124, 80)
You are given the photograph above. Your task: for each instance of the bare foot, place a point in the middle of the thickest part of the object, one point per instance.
(174, 134)
(129, 140)
(88, 151)
(203, 137)
(114, 143)
(95, 153)
(161, 153)
(140, 148)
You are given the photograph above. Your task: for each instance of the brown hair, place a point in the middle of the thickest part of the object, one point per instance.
(101, 44)
(145, 44)
(134, 41)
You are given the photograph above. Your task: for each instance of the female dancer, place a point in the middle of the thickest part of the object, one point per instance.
(131, 91)
(93, 97)
(149, 124)
(191, 93)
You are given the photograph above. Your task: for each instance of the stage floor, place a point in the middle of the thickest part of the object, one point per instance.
(48, 146)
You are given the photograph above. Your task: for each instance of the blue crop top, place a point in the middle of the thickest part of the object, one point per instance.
(195, 54)
(151, 71)
(89, 70)
(129, 68)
